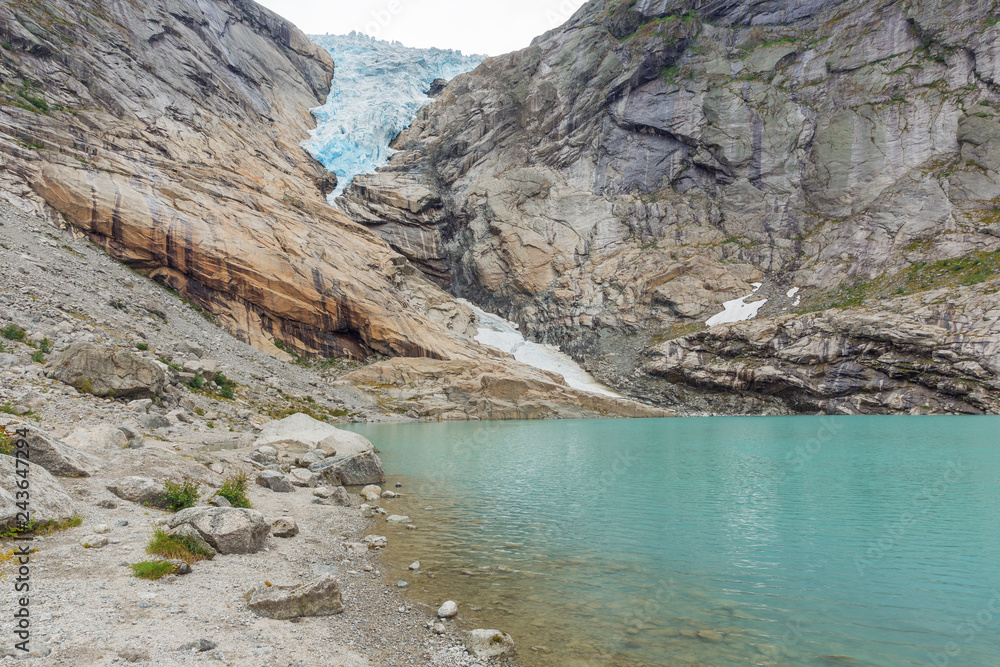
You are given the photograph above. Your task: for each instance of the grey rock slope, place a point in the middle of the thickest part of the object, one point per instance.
(612, 185)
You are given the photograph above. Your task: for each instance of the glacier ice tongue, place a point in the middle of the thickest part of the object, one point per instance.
(377, 90)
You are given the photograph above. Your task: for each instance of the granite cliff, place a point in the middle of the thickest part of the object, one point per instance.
(609, 187)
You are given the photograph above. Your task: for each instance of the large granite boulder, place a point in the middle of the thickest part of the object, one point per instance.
(49, 502)
(230, 530)
(105, 371)
(354, 470)
(301, 429)
(317, 598)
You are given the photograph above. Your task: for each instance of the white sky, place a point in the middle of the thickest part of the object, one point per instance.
(472, 26)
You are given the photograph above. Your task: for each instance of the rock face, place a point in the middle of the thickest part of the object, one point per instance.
(49, 502)
(168, 131)
(230, 530)
(318, 598)
(104, 371)
(609, 187)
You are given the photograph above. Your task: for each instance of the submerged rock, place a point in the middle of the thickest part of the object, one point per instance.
(489, 644)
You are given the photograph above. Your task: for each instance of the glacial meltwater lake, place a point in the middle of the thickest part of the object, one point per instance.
(707, 541)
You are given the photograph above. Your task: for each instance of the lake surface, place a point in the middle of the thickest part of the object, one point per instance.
(708, 541)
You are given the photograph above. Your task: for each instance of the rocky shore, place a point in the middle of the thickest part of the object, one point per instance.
(124, 387)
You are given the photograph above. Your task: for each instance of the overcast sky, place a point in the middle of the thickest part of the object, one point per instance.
(472, 26)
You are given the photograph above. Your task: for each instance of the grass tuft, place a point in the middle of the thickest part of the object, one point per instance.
(180, 496)
(152, 569)
(176, 547)
(234, 489)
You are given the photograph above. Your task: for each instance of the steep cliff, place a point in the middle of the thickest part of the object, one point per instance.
(169, 132)
(611, 186)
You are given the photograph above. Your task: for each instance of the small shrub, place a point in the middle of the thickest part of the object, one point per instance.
(152, 569)
(210, 424)
(43, 528)
(45, 347)
(197, 382)
(37, 102)
(12, 332)
(227, 391)
(142, 346)
(180, 496)
(227, 387)
(38, 357)
(6, 444)
(176, 547)
(3, 348)
(234, 489)
(7, 408)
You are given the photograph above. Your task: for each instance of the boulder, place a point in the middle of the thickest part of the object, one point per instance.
(284, 527)
(97, 437)
(396, 518)
(140, 490)
(353, 470)
(230, 530)
(318, 598)
(303, 477)
(105, 371)
(49, 502)
(154, 421)
(372, 488)
(448, 610)
(485, 644)
(56, 457)
(341, 497)
(188, 531)
(276, 481)
(305, 431)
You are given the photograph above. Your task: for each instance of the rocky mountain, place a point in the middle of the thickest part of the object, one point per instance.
(379, 88)
(170, 134)
(610, 187)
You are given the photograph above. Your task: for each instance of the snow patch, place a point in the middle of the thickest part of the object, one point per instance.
(499, 333)
(738, 310)
(377, 90)
(792, 292)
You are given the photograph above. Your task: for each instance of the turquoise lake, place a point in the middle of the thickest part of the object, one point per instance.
(707, 541)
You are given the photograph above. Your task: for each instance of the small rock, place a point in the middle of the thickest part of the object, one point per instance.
(201, 646)
(415, 565)
(303, 477)
(375, 541)
(275, 481)
(107, 504)
(101, 529)
(94, 542)
(284, 527)
(372, 488)
(402, 584)
(448, 610)
(439, 628)
(396, 518)
(155, 421)
(220, 501)
(390, 494)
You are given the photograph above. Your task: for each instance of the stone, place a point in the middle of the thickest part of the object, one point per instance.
(318, 598)
(8, 360)
(341, 497)
(97, 438)
(488, 644)
(178, 416)
(389, 494)
(220, 501)
(230, 530)
(154, 421)
(200, 646)
(105, 371)
(269, 452)
(284, 527)
(101, 529)
(369, 497)
(372, 488)
(276, 481)
(323, 491)
(301, 429)
(355, 470)
(59, 459)
(134, 437)
(188, 531)
(396, 518)
(448, 610)
(415, 565)
(303, 477)
(107, 504)
(49, 502)
(180, 566)
(140, 405)
(140, 490)
(94, 542)
(375, 541)
(439, 628)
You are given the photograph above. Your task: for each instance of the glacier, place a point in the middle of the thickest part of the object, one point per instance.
(501, 334)
(377, 90)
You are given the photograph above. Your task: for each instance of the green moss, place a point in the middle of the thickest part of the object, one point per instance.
(142, 346)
